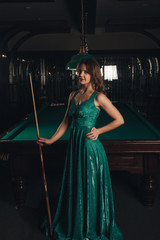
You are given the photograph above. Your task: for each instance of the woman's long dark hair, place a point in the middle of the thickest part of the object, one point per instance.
(93, 69)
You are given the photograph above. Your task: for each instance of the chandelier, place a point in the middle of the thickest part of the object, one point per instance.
(83, 52)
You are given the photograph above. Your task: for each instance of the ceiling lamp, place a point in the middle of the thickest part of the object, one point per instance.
(83, 53)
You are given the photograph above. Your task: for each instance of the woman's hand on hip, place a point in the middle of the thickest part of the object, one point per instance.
(93, 134)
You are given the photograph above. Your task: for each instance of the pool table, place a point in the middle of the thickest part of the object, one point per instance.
(133, 147)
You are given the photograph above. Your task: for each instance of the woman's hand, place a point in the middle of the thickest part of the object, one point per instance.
(44, 141)
(93, 134)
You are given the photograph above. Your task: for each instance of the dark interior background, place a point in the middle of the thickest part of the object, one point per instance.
(44, 35)
(41, 36)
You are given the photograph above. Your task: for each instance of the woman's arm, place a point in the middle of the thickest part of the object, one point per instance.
(103, 102)
(61, 129)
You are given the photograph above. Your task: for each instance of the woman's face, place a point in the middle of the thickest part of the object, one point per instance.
(84, 76)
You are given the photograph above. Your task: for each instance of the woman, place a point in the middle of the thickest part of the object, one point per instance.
(85, 208)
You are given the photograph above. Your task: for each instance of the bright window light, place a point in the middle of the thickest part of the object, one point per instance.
(110, 72)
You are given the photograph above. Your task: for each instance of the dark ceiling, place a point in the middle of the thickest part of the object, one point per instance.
(60, 16)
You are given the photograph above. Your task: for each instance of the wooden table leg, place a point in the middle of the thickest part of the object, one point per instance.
(149, 184)
(149, 180)
(19, 190)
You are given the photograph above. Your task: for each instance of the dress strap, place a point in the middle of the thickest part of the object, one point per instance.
(94, 94)
(76, 92)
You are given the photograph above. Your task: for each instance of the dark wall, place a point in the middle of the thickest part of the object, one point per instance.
(4, 92)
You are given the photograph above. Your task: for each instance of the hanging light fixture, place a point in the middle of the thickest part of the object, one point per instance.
(72, 64)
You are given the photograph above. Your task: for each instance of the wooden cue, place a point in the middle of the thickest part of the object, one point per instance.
(42, 163)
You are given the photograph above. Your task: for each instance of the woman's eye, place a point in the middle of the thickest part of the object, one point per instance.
(80, 71)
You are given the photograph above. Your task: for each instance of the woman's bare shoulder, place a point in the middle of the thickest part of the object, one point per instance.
(102, 98)
(71, 95)
(100, 94)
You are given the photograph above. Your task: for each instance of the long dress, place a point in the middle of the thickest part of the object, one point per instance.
(85, 208)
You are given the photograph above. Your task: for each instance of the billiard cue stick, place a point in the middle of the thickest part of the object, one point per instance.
(41, 156)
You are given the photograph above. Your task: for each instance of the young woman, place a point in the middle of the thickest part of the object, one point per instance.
(85, 208)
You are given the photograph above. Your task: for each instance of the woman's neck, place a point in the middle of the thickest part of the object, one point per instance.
(87, 89)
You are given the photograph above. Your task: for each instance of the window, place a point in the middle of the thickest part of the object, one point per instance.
(109, 72)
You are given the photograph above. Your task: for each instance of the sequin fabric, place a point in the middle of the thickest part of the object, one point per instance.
(85, 209)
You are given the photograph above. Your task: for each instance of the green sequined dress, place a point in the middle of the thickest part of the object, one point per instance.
(85, 209)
